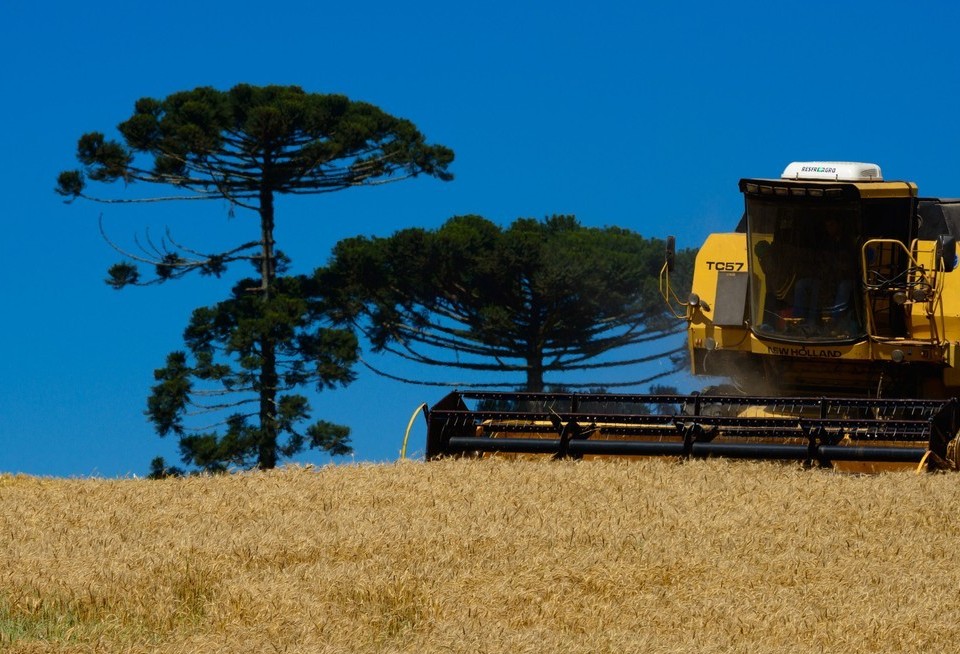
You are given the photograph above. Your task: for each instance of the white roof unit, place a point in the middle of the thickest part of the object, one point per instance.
(833, 171)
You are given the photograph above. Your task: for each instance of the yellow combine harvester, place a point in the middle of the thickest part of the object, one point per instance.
(834, 311)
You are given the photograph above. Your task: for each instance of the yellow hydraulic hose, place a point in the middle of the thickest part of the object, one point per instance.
(406, 436)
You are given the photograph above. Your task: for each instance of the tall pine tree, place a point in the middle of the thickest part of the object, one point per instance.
(534, 299)
(272, 335)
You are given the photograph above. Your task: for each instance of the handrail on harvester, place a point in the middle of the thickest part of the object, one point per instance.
(911, 282)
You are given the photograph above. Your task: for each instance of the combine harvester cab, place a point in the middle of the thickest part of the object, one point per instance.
(834, 311)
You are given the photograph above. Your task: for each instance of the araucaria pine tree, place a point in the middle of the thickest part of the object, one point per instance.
(230, 397)
(537, 298)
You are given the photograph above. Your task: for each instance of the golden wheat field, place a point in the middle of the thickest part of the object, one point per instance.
(484, 556)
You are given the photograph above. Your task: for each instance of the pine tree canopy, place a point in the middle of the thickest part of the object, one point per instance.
(538, 297)
(238, 143)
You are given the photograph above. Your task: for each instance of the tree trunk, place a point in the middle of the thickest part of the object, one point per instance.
(534, 370)
(533, 345)
(267, 447)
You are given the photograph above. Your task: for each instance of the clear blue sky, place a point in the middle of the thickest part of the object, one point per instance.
(642, 115)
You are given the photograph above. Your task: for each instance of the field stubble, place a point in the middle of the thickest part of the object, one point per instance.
(483, 556)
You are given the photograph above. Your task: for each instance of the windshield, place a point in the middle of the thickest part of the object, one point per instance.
(804, 256)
